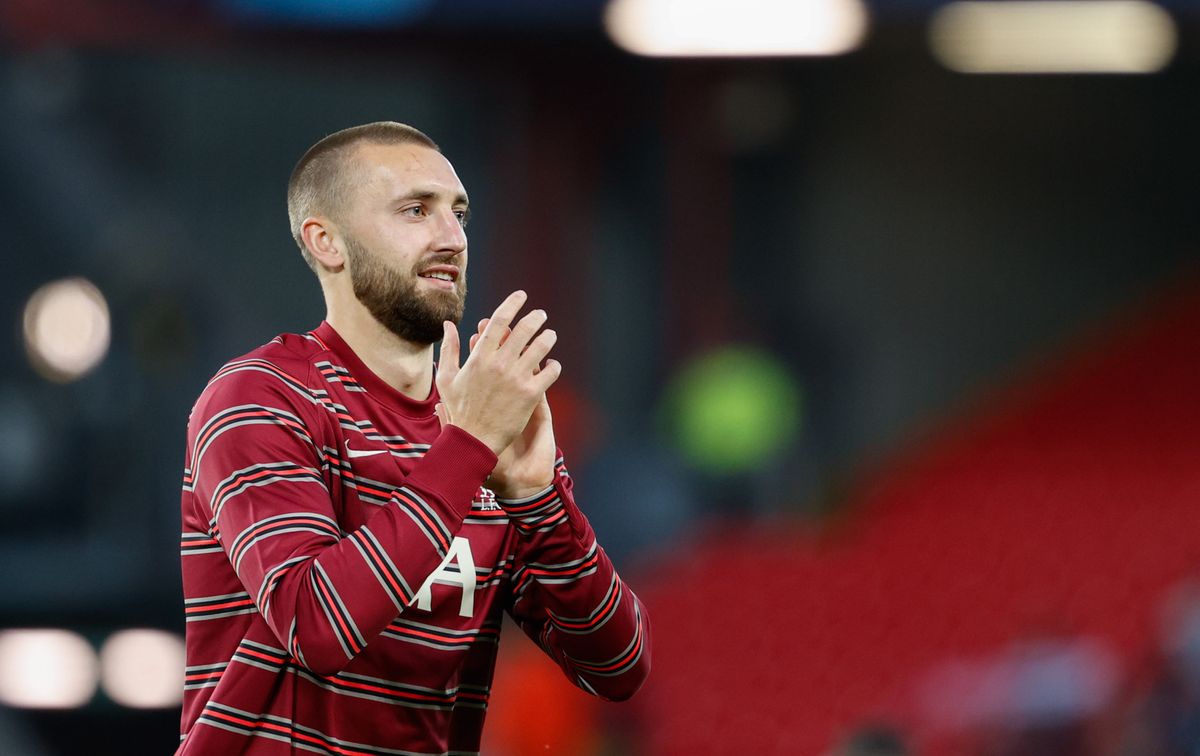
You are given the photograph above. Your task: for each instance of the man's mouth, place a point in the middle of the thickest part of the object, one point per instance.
(447, 273)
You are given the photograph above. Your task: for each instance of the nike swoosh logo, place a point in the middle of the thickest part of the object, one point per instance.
(352, 453)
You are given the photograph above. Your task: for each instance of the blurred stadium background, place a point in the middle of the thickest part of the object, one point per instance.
(880, 323)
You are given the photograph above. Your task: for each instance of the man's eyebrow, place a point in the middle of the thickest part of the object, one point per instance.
(428, 194)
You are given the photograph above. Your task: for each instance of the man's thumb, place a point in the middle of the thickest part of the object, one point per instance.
(448, 357)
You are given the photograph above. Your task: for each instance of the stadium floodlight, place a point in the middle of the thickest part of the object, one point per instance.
(143, 668)
(1053, 36)
(66, 329)
(44, 668)
(736, 28)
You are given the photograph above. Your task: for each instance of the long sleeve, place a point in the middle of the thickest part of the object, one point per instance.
(568, 597)
(260, 446)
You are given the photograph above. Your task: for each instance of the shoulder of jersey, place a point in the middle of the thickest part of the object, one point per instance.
(296, 346)
(290, 353)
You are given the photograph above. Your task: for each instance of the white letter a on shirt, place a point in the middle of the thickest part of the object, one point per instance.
(463, 577)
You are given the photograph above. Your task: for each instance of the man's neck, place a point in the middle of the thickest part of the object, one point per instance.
(403, 365)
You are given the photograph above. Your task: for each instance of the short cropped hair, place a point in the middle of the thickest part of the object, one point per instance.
(321, 181)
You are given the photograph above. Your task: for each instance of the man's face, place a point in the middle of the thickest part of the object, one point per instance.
(405, 240)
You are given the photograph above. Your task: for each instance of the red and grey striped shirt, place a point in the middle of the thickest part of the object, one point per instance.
(345, 572)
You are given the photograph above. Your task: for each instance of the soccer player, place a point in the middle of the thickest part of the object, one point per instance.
(355, 523)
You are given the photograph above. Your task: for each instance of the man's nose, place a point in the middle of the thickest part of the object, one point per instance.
(452, 237)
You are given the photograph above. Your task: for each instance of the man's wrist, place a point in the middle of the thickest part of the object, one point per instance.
(515, 490)
(486, 440)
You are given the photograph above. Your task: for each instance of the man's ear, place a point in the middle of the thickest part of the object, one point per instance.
(319, 236)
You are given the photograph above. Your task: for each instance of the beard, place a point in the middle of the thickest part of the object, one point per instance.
(393, 299)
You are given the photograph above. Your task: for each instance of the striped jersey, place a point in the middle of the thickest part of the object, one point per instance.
(345, 572)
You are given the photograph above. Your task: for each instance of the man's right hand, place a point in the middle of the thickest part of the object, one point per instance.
(494, 393)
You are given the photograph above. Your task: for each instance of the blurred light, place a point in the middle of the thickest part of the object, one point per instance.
(143, 668)
(686, 28)
(1053, 36)
(46, 669)
(66, 329)
(731, 409)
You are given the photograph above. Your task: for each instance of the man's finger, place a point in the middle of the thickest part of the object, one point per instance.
(549, 374)
(508, 309)
(525, 329)
(448, 357)
(475, 339)
(503, 336)
(538, 349)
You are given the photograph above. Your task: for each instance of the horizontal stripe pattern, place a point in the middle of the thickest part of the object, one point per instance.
(191, 544)
(598, 617)
(431, 636)
(283, 729)
(424, 516)
(622, 662)
(310, 522)
(338, 374)
(486, 510)
(556, 574)
(241, 416)
(538, 513)
(315, 396)
(340, 621)
(256, 476)
(271, 579)
(269, 369)
(368, 490)
(203, 608)
(203, 675)
(361, 686)
(382, 567)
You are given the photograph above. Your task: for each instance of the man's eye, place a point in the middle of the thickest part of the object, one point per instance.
(462, 216)
(416, 211)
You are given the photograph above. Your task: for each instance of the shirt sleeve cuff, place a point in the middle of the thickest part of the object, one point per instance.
(454, 468)
(542, 511)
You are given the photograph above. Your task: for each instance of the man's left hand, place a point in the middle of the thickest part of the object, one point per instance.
(527, 465)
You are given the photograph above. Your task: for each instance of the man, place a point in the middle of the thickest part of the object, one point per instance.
(345, 570)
